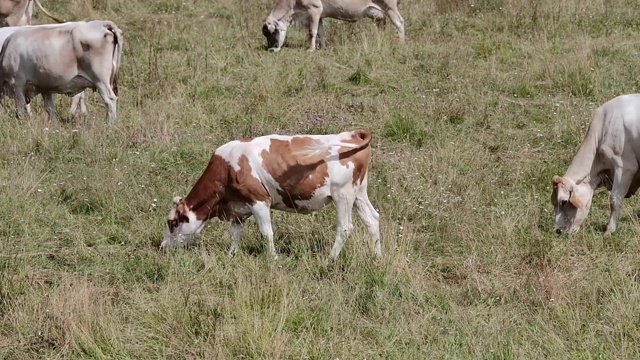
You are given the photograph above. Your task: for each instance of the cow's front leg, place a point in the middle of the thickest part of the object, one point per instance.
(315, 11)
(321, 35)
(236, 233)
(262, 212)
(622, 179)
(398, 21)
(21, 102)
(50, 106)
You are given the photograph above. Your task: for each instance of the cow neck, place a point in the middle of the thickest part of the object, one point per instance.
(204, 197)
(280, 12)
(586, 167)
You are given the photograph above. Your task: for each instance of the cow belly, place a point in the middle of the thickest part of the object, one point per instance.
(60, 85)
(342, 11)
(299, 203)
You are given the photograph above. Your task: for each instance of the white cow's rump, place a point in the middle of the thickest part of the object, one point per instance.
(608, 157)
(309, 13)
(300, 173)
(63, 59)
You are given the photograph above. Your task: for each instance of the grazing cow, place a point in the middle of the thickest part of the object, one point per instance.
(609, 157)
(19, 12)
(78, 100)
(66, 60)
(299, 173)
(309, 13)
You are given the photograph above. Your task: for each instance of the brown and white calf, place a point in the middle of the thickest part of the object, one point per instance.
(300, 173)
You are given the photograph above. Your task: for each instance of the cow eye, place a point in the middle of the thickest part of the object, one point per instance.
(172, 224)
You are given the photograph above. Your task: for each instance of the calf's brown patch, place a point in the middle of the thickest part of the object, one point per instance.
(298, 176)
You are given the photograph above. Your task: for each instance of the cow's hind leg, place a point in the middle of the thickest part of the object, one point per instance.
(262, 213)
(110, 99)
(78, 101)
(50, 106)
(370, 217)
(344, 199)
(622, 178)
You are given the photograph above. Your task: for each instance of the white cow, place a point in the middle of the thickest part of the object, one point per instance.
(309, 13)
(78, 101)
(300, 173)
(19, 12)
(609, 157)
(64, 59)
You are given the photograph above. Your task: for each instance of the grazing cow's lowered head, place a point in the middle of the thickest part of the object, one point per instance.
(571, 202)
(182, 224)
(276, 32)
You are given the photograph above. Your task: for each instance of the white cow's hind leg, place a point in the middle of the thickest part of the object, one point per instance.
(236, 234)
(110, 99)
(370, 217)
(50, 106)
(344, 199)
(622, 178)
(79, 100)
(262, 213)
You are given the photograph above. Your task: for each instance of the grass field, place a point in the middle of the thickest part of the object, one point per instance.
(471, 119)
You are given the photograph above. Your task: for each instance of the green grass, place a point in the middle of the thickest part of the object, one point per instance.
(471, 119)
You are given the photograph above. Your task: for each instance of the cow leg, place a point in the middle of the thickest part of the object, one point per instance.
(344, 199)
(315, 11)
(236, 234)
(622, 178)
(398, 21)
(21, 102)
(79, 100)
(370, 217)
(321, 35)
(50, 105)
(262, 212)
(109, 98)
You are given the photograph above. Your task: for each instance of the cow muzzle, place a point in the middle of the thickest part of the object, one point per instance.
(273, 50)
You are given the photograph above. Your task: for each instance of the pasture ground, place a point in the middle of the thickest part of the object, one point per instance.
(487, 101)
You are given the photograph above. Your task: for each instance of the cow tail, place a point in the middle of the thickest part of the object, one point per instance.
(2, 53)
(318, 147)
(116, 56)
(54, 18)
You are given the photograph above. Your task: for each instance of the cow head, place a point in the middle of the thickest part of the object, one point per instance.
(571, 202)
(275, 31)
(182, 225)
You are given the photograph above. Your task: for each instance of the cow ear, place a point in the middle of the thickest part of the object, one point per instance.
(557, 180)
(575, 200)
(176, 200)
